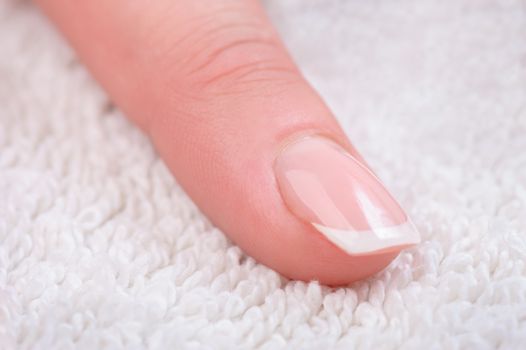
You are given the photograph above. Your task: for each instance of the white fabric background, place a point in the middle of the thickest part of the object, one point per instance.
(99, 248)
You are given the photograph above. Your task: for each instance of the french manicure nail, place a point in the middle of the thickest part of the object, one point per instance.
(324, 185)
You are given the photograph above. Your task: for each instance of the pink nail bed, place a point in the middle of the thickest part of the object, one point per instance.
(327, 187)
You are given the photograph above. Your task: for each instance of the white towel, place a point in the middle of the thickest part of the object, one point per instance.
(99, 247)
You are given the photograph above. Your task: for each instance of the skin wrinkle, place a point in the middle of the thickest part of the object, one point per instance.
(227, 67)
(202, 36)
(223, 43)
(198, 36)
(262, 71)
(215, 42)
(228, 55)
(157, 26)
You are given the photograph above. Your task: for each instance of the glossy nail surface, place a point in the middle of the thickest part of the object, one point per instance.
(324, 185)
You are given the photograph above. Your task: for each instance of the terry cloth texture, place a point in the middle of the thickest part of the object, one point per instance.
(100, 248)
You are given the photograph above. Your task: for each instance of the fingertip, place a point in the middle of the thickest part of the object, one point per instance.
(219, 101)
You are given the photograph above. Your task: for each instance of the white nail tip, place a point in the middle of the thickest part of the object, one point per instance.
(366, 242)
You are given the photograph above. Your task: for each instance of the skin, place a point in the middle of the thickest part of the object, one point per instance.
(212, 85)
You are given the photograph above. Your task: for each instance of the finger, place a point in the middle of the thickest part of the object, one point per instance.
(244, 134)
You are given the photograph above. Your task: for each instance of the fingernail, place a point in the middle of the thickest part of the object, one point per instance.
(324, 185)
